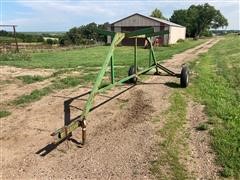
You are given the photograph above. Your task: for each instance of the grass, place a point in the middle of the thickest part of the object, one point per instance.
(57, 84)
(6, 58)
(68, 82)
(88, 60)
(33, 96)
(27, 79)
(6, 39)
(94, 57)
(4, 113)
(168, 165)
(217, 85)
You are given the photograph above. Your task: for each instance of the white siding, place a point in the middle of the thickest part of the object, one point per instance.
(176, 33)
(166, 36)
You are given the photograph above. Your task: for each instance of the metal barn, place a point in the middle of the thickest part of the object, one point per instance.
(138, 21)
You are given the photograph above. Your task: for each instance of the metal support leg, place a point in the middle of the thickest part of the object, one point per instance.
(150, 58)
(112, 70)
(135, 56)
(153, 54)
(83, 125)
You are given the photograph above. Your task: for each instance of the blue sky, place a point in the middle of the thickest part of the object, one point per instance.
(60, 15)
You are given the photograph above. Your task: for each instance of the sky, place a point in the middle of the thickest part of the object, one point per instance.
(61, 15)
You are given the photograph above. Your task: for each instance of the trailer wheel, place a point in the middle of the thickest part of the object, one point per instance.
(184, 77)
(131, 71)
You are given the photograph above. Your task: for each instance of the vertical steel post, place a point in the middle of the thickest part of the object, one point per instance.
(135, 56)
(112, 69)
(150, 57)
(67, 115)
(152, 53)
(14, 33)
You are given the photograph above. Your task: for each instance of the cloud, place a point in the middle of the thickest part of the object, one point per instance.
(64, 14)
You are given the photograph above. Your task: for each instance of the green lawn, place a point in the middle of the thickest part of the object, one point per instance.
(87, 60)
(93, 57)
(217, 85)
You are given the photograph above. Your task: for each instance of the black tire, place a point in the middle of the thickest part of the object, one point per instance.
(131, 71)
(184, 78)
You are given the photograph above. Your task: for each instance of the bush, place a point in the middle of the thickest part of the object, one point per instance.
(49, 41)
(180, 40)
(15, 57)
(207, 34)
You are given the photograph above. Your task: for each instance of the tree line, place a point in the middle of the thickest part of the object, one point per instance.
(29, 37)
(85, 34)
(198, 19)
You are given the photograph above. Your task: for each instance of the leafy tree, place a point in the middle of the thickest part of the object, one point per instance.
(50, 42)
(157, 13)
(199, 19)
(85, 34)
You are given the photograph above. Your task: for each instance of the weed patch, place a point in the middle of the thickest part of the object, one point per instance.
(32, 97)
(168, 165)
(27, 79)
(4, 113)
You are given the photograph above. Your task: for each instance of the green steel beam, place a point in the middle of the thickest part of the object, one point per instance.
(117, 38)
(150, 57)
(152, 53)
(112, 69)
(106, 33)
(140, 32)
(157, 33)
(135, 56)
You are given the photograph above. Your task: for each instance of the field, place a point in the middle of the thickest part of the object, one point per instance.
(154, 130)
(76, 67)
(4, 39)
(93, 57)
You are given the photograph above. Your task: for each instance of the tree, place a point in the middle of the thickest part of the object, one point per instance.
(181, 17)
(199, 19)
(157, 13)
(50, 42)
(85, 34)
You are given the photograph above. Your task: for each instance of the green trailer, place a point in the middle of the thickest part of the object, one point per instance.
(71, 124)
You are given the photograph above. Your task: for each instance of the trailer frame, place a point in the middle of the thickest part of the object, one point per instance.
(70, 124)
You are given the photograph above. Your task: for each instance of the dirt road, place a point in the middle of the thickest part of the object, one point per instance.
(120, 134)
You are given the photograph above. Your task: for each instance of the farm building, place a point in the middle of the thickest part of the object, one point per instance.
(137, 21)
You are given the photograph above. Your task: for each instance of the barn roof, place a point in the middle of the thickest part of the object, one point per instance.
(152, 18)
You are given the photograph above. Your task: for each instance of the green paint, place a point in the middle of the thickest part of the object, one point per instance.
(112, 69)
(118, 37)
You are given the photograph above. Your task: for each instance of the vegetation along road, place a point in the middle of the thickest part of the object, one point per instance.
(155, 130)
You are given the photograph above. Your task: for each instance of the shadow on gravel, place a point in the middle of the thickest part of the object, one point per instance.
(172, 85)
(67, 117)
(168, 84)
